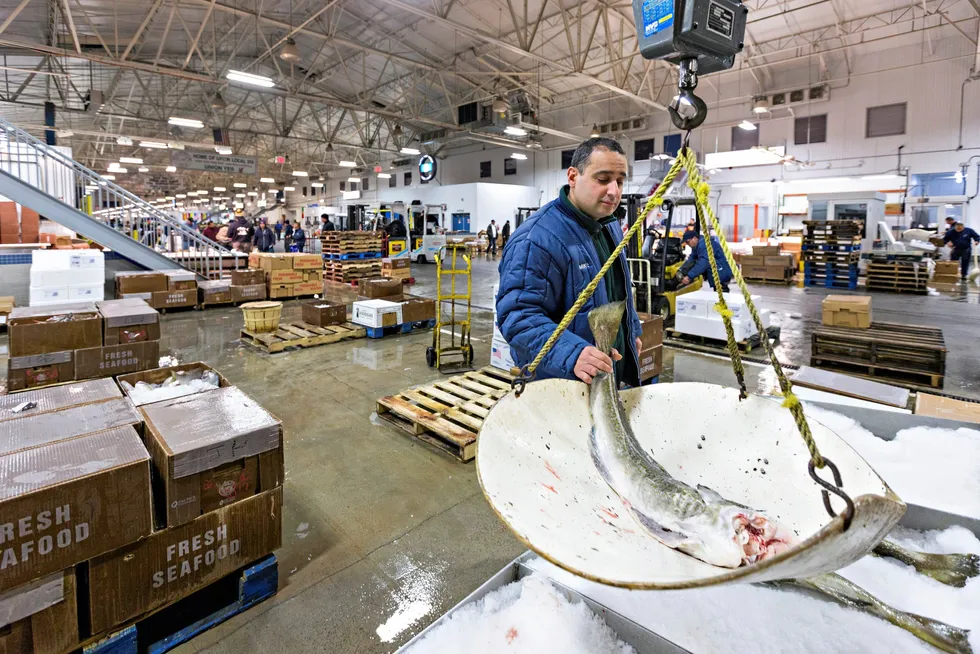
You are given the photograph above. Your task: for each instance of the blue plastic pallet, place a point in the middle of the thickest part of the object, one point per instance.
(810, 268)
(829, 246)
(404, 328)
(352, 256)
(830, 282)
(256, 583)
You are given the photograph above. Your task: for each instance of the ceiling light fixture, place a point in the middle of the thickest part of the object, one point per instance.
(349, 164)
(289, 51)
(317, 184)
(353, 180)
(132, 160)
(290, 188)
(595, 131)
(267, 180)
(411, 151)
(171, 169)
(217, 102)
(123, 140)
(156, 145)
(500, 105)
(240, 185)
(252, 193)
(111, 178)
(219, 189)
(747, 126)
(181, 196)
(760, 105)
(300, 173)
(185, 122)
(202, 192)
(143, 169)
(222, 149)
(384, 176)
(514, 130)
(518, 155)
(249, 78)
(239, 195)
(663, 156)
(175, 145)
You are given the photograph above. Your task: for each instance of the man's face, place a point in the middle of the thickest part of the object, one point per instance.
(692, 242)
(597, 190)
(960, 227)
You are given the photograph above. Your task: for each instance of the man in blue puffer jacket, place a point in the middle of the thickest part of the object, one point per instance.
(697, 263)
(551, 258)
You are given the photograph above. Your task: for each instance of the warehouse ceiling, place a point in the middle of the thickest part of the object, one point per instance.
(370, 77)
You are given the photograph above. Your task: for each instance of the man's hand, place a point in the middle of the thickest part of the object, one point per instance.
(686, 280)
(639, 347)
(592, 361)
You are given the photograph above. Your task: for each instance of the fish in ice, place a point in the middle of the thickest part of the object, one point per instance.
(696, 521)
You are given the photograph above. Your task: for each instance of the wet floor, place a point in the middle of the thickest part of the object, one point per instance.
(381, 534)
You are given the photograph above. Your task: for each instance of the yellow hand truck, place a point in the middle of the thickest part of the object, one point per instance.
(447, 263)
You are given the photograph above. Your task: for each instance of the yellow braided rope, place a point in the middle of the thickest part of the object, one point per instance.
(655, 200)
(791, 402)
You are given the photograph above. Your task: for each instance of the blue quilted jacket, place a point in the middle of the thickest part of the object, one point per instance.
(547, 262)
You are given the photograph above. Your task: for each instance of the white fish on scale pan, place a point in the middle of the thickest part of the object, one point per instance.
(699, 522)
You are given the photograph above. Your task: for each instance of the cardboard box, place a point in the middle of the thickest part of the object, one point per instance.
(307, 262)
(40, 370)
(376, 313)
(847, 311)
(781, 261)
(500, 355)
(948, 268)
(173, 563)
(158, 375)
(254, 259)
(396, 264)
(140, 282)
(231, 450)
(417, 309)
(32, 431)
(57, 398)
(211, 297)
(181, 280)
(128, 321)
(285, 277)
(765, 251)
(70, 501)
(946, 279)
(247, 277)
(6, 306)
(378, 287)
(651, 362)
(312, 276)
(753, 272)
(322, 313)
(653, 331)
(280, 290)
(41, 330)
(308, 288)
(248, 293)
(110, 360)
(270, 262)
(145, 297)
(752, 260)
(41, 617)
(947, 408)
(174, 299)
(778, 272)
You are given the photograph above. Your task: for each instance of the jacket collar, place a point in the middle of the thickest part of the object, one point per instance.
(590, 224)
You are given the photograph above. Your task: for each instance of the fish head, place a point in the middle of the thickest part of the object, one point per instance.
(729, 535)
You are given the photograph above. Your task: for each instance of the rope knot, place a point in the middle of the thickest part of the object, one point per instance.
(791, 401)
(702, 192)
(723, 310)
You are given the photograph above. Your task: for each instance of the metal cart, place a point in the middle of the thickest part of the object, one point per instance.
(447, 263)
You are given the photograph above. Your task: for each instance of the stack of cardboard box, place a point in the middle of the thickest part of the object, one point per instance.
(87, 552)
(60, 276)
(651, 352)
(847, 311)
(947, 272)
(289, 275)
(767, 263)
(399, 269)
(167, 289)
(6, 306)
(696, 316)
(247, 285)
(212, 292)
(9, 223)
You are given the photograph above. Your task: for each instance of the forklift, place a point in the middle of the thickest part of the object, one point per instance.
(654, 276)
(523, 213)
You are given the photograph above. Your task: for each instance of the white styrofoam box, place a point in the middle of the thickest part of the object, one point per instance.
(370, 313)
(51, 259)
(691, 305)
(40, 296)
(90, 292)
(497, 335)
(86, 259)
(500, 356)
(709, 328)
(65, 277)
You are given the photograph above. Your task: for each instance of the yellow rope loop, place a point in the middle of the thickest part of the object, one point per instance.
(695, 182)
(723, 310)
(655, 201)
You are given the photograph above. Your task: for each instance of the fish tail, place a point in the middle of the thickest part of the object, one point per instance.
(604, 322)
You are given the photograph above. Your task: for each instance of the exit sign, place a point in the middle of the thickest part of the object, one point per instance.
(279, 159)
(377, 169)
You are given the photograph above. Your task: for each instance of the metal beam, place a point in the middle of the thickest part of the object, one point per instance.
(16, 12)
(66, 12)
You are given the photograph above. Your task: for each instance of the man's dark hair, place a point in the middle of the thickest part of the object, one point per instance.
(582, 154)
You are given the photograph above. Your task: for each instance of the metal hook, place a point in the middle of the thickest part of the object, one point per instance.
(834, 488)
(694, 110)
(519, 383)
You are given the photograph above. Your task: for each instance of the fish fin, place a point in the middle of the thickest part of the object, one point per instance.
(711, 496)
(604, 322)
(599, 465)
(658, 531)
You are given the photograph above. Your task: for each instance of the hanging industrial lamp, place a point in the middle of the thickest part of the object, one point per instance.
(500, 105)
(595, 131)
(289, 51)
(217, 102)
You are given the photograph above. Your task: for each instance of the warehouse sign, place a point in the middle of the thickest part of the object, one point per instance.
(427, 168)
(213, 162)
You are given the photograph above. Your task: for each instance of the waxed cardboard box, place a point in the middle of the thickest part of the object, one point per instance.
(379, 287)
(58, 397)
(847, 311)
(285, 276)
(416, 309)
(765, 251)
(128, 321)
(753, 272)
(322, 313)
(248, 293)
(41, 617)
(173, 563)
(140, 282)
(30, 431)
(270, 262)
(247, 277)
(307, 261)
(181, 280)
(280, 290)
(652, 333)
(780, 261)
(651, 362)
(174, 299)
(307, 288)
(159, 375)
(752, 260)
(229, 450)
(40, 370)
(110, 360)
(41, 330)
(67, 501)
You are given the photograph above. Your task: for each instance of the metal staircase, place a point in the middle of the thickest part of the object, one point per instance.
(60, 189)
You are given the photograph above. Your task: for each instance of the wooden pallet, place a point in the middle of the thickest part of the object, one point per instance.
(176, 623)
(770, 282)
(884, 351)
(745, 345)
(302, 334)
(448, 414)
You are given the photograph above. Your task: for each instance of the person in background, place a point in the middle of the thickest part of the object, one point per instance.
(950, 224)
(278, 229)
(222, 236)
(287, 233)
(504, 234)
(241, 236)
(492, 238)
(185, 239)
(299, 237)
(326, 225)
(210, 231)
(961, 238)
(264, 240)
(697, 263)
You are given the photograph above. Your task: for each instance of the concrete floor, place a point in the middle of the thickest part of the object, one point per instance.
(382, 534)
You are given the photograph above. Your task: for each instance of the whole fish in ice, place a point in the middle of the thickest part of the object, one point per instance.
(699, 522)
